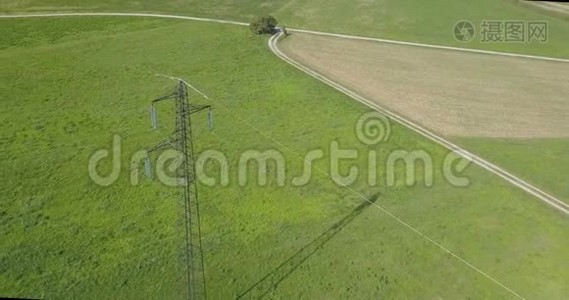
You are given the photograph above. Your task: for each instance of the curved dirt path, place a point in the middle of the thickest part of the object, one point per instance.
(160, 16)
(558, 7)
(543, 196)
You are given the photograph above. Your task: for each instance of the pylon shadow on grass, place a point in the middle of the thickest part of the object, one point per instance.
(262, 287)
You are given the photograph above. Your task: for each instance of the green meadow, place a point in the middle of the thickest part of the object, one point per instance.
(71, 84)
(543, 162)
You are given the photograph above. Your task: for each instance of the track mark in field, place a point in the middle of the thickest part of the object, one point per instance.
(119, 14)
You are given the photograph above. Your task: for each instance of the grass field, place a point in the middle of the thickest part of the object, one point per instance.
(542, 161)
(429, 22)
(71, 83)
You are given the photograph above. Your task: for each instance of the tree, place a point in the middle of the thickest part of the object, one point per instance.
(264, 25)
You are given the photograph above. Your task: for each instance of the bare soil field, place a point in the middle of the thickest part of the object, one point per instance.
(453, 93)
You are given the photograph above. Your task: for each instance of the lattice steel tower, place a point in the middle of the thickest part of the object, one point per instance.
(181, 140)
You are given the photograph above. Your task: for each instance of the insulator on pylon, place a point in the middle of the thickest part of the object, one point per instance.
(153, 117)
(210, 119)
(148, 167)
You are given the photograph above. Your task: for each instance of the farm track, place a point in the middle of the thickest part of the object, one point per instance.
(562, 8)
(543, 196)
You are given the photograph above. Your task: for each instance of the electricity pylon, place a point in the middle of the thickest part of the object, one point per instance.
(181, 140)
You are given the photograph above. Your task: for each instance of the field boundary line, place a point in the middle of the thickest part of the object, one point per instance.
(338, 35)
(118, 14)
(545, 197)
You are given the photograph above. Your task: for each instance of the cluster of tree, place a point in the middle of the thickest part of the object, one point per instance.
(264, 25)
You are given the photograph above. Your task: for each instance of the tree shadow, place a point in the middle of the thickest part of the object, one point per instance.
(262, 287)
